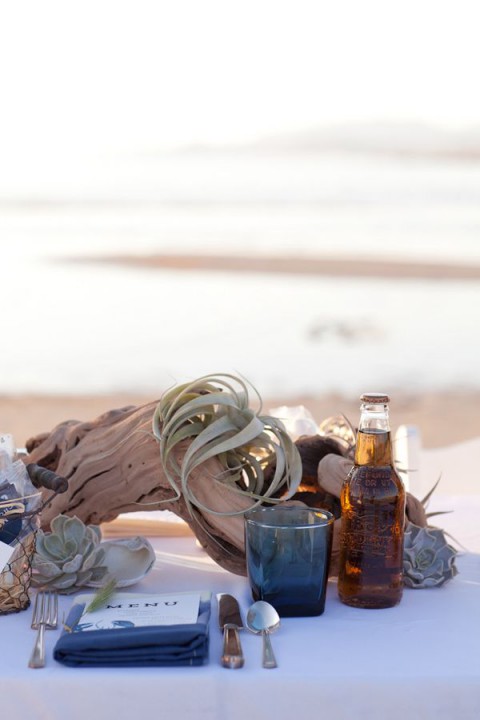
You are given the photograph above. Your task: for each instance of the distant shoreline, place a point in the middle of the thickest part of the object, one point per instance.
(443, 417)
(327, 266)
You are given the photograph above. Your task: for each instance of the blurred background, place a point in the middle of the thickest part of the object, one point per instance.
(285, 190)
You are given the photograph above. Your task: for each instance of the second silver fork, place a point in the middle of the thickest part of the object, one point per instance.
(45, 615)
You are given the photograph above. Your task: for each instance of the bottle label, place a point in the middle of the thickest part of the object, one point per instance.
(371, 532)
(372, 526)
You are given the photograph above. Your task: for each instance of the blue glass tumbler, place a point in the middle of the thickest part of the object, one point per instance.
(288, 552)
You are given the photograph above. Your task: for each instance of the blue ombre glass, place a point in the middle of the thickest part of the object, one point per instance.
(288, 555)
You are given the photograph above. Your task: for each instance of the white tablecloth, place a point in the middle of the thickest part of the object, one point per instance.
(418, 660)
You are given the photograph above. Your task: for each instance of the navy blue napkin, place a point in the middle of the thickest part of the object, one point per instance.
(156, 645)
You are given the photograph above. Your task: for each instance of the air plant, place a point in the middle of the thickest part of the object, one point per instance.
(213, 413)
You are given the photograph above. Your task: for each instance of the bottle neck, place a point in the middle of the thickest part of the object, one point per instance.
(374, 446)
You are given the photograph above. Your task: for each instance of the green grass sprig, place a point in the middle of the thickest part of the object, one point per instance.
(102, 596)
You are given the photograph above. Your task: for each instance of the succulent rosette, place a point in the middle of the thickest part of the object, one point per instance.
(428, 559)
(69, 556)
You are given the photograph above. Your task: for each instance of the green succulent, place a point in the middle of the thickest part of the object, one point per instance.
(69, 556)
(428, 559)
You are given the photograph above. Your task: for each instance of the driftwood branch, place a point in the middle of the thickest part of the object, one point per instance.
(113, 466)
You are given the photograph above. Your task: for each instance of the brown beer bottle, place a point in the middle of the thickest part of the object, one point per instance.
(373, 515)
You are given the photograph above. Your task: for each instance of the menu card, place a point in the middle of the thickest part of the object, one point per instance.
(130, 610)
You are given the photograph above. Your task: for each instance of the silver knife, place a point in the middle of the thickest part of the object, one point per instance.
(230, 622)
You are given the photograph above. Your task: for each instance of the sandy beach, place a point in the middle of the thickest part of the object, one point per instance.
(443, 418)
(293, 264)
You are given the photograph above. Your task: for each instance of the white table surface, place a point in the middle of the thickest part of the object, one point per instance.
(420, 659)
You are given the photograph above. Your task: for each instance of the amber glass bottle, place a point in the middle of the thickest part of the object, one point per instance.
(373, 515)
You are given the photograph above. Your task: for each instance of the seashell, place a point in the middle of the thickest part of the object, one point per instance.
(128, 560)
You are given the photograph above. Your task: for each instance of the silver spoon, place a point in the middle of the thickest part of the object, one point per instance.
(262, 618)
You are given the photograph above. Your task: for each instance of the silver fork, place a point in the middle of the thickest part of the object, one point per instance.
(45, 615)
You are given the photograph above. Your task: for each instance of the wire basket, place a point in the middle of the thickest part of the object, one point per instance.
(16, 575)
(15, 578)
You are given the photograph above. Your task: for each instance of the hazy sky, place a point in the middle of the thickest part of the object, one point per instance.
(107, 75)
(90, 89)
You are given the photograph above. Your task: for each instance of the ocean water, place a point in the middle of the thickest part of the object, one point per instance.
(75, 327)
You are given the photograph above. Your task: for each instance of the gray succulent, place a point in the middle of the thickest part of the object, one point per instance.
(69, 556)
(428, 559)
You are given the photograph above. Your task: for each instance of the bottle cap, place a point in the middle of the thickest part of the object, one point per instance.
(375, 398)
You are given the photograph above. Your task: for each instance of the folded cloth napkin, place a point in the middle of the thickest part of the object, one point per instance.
(158, 645)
